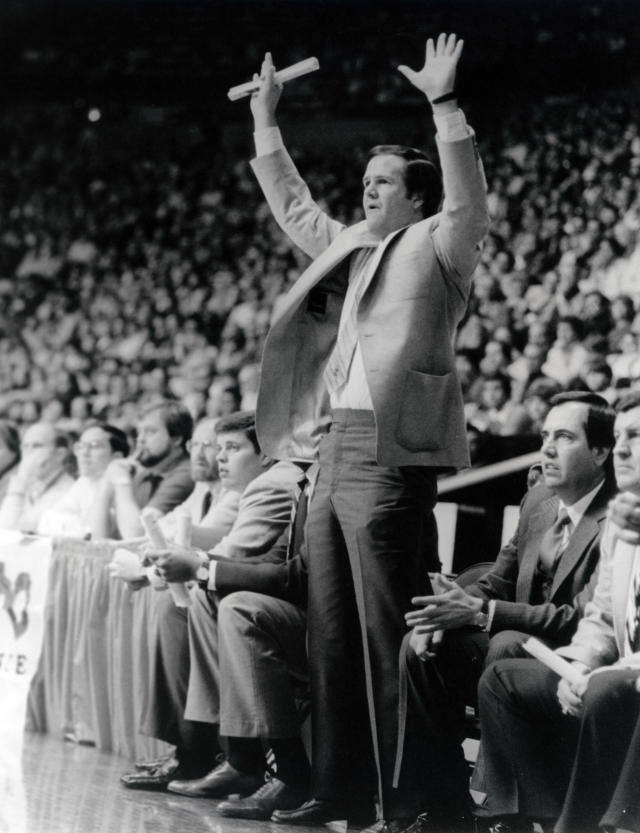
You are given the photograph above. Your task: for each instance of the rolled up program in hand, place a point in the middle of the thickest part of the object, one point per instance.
(281, 77)
(553, 661)
(178, 589)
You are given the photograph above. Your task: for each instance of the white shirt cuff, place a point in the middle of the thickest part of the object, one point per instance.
(452, 127)
(211, 584)
(267, 140)
(490, 614)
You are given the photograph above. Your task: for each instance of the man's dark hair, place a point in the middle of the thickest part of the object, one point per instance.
(177, 419)
(628, 401)
(600, 416)
(244, 421)
(117, 438)
(421, 177)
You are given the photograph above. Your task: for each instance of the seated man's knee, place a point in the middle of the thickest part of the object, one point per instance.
(239, 609)
(609, 691)
(506, 645)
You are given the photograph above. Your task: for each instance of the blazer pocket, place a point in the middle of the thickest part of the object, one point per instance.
(425, 421)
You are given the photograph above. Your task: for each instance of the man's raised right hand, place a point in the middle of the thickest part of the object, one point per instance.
(264, 102)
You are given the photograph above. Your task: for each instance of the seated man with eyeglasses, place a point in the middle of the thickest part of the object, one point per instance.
(213, 504)
(40, 479)
(99, 444)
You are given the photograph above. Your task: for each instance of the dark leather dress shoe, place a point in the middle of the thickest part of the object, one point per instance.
(272, 795)
(221, 782)
(151, 779)
(314, 811)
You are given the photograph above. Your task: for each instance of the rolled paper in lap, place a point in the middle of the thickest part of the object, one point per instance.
(178, 589)
(281, 77)
(553, 661)
(183, 531)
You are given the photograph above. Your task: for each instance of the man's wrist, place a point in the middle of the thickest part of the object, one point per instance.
(202, 569)
(445, 107)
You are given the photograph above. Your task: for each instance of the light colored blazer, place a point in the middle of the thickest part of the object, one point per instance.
(407, 318)
(599, 639)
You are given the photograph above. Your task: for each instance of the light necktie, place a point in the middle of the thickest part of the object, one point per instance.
(632, 622)
(555, 540)
(337, 368)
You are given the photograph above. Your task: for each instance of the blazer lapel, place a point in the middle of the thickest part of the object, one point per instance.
(581, 537)
(539, 523)
(345, 243)
(352, 238)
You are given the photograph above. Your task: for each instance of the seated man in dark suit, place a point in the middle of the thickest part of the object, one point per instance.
(183, 702)
(568, 754)
(261, 637)
(539, 585)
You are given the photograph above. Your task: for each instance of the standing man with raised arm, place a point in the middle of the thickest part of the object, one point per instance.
(360, 356)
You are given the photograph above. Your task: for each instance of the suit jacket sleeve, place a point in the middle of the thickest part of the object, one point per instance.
(556, 622)
(464, 219)
(548, 621)
(292, 205)
(286, 580)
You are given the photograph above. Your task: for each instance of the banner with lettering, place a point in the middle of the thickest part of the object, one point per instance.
(24, 573)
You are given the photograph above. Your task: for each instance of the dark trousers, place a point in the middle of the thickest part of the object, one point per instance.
(432, 714)
(370, 542)
(163, 715)
(544, 765)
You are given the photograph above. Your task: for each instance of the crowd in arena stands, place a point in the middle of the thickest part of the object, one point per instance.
(128, 278)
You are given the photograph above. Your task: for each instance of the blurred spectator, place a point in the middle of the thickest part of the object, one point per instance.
(625, 365)
(467, 371)
(40, 479)
(528, 418)
(493, 407)
(622, 314)
(9, 453)
(567, 357)
(157, 477)
(71, 515)
(211, 507)
(596, 377)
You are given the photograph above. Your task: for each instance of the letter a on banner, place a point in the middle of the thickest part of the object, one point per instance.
(24, 574)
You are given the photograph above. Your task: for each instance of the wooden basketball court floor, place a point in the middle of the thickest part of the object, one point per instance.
(66, 788)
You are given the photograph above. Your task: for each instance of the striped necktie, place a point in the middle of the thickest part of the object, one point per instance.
(555, 540)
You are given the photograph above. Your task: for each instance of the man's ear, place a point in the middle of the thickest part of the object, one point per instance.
(265, 460)
(600, 454)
